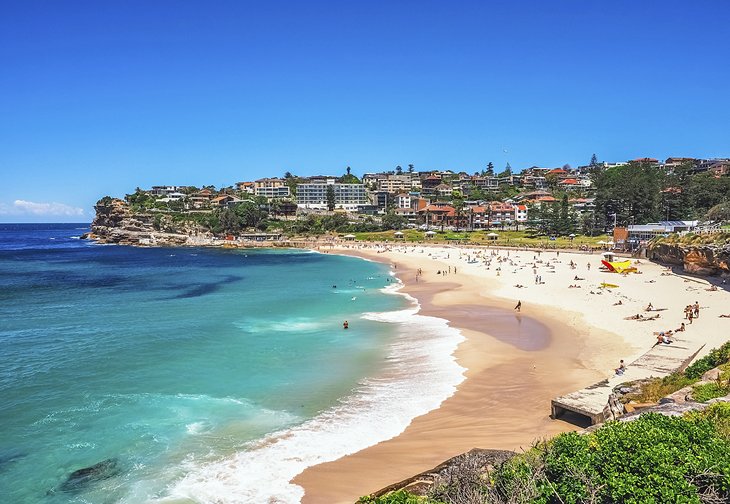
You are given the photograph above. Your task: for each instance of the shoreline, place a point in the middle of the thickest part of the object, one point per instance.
(504, 402)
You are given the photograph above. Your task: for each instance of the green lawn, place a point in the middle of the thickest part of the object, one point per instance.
(505, 238)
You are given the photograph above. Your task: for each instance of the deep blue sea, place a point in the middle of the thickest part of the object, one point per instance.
(198, 375)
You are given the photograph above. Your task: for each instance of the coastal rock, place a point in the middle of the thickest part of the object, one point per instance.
(117, 223)
(475, 460)
(77, 480)
(699, 260)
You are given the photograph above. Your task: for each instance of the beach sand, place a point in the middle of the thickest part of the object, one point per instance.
(562, 339)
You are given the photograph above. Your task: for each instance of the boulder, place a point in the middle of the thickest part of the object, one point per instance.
(476, 459)
(81, 478)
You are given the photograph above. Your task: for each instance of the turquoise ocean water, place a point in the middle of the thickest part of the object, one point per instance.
(198, 375)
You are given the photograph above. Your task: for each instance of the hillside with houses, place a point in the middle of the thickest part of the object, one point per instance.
(559, 201)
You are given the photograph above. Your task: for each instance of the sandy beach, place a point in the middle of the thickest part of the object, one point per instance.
(562, 339)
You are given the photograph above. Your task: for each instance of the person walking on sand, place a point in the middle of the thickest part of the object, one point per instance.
(697, 309)
(519, 306)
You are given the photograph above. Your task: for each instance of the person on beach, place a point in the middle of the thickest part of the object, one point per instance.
(519, 306)
(696, 309)
(345, 325)
(621, 368)
(690, 316)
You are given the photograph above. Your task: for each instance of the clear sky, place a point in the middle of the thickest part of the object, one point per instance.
(99, 97)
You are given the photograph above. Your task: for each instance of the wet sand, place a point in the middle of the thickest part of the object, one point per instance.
(516, 363)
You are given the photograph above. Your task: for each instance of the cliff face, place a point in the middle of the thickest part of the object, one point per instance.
(115, 222)
(699, 259)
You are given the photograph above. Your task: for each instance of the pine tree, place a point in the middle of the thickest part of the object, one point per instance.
(330, 198)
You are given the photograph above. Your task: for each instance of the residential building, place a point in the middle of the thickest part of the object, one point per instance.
(225, 201)
(246, 187)
(704, 165)
(720, 168)
(271, 188)
(200, 199)
(398, 183)
(429, 183)
(381, 199)
(501, 213)
(479, 216)
(670, 164)
(437, 214)
(403, 200)
(347, 196)
(443, 191)
(520, 213)
(166, 190)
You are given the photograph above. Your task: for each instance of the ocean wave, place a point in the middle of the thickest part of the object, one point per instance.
(421, 356)
(291, 325)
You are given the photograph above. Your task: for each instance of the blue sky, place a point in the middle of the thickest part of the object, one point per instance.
(97, 98)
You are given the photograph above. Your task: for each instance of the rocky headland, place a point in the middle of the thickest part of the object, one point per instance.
(702, 259)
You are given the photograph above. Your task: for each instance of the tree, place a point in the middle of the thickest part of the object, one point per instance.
(393, 221)
(398, 170)
(330, 198)
(565, 219)
(458, 204)
(411, 168)
(250, 214)
(507, 171)
(490, 169)
(229, 221)
(287, 175)
(719, 213)
(348, 170)
(594, 161)
(631, 191)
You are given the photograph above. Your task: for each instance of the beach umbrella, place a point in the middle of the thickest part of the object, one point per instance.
(601, 242)
(571, 235)
(349, 237)
(429, 234)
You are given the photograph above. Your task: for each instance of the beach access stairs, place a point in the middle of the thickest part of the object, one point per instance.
(593, 402)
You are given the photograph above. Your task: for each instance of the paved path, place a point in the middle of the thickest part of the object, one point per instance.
(659, 361)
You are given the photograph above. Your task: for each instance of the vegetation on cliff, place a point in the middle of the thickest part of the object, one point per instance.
(652, 459)
(693, 239)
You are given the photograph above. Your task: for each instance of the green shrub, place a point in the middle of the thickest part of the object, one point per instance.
(716, 357)
(654, 459)
(706, 391)
(399, 497)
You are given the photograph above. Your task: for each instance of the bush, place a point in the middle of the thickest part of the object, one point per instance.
(707, 391)
(652, 459)
(399, 497)
(716, 357)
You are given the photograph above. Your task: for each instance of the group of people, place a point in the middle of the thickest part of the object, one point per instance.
(692, 311)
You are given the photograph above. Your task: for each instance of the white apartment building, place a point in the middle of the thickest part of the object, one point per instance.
(395, 183)
(271, 188)
(347, 196)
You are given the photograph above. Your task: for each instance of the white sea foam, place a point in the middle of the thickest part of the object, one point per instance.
(421, 357)
(291, 325)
